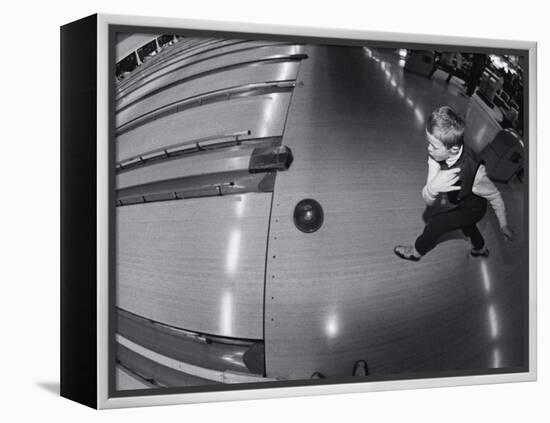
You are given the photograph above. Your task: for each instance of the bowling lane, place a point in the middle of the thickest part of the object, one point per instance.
(356, 129)
(234, 56)
(262, 116)
(195, 264)
(208, 84)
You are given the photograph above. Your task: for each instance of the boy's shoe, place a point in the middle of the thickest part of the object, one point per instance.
(484, 252)
(406, 252)
(360, 368)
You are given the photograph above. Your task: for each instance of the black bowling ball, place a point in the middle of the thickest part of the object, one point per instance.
(308, 215)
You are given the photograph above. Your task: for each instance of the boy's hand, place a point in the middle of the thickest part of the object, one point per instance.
(508, 233)
(444, 181)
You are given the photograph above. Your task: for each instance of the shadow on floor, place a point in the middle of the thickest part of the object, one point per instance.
(51, 387)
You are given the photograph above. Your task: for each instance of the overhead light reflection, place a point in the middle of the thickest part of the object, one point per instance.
(496, 358)
(233, 162)
(296, 49)
(232, 258)
(493, 321)
(419, 115)
(485, 276)
(239, 205)
(267, 116)
(226, 315)
(286, 67)
(235, 359)
(332, 326)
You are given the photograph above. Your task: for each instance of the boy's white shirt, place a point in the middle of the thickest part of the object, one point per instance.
(483, 187)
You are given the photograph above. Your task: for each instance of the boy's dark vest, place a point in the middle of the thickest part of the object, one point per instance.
(468, 162)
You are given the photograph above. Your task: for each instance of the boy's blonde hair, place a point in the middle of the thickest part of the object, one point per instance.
(447, 126)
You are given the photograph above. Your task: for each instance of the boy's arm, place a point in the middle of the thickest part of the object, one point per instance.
(429, 196)
(485, 188)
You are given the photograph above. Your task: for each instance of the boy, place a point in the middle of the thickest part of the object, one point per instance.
(455, 169)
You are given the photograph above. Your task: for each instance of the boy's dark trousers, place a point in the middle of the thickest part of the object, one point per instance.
(465, 216)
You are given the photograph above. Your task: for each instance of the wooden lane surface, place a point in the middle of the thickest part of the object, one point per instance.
(208, 84)
(263, 115)
(240, 54)
(226, 160)
(356, 129)
(195, 264)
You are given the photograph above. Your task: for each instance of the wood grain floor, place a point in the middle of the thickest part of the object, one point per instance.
(355, 125)
(195, 264)
(356, 129)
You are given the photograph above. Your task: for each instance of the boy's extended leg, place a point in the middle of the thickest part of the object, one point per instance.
(478, 243)
(464, 216)
(442, 223)
(475, 236)
(436, 226)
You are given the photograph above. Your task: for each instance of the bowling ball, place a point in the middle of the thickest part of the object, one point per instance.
(308, 215)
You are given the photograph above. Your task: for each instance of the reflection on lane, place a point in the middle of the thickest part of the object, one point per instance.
(493, 321)
(485, 276)
(226, 315)
(496, 358)
(332, 325)
(492, 314)
(393, 78)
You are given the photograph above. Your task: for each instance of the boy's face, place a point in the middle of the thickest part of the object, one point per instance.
(438, 151)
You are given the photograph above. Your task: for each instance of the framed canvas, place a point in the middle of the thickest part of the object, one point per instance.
(256, 211)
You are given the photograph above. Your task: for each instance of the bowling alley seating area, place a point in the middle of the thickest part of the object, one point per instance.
(492, 115)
